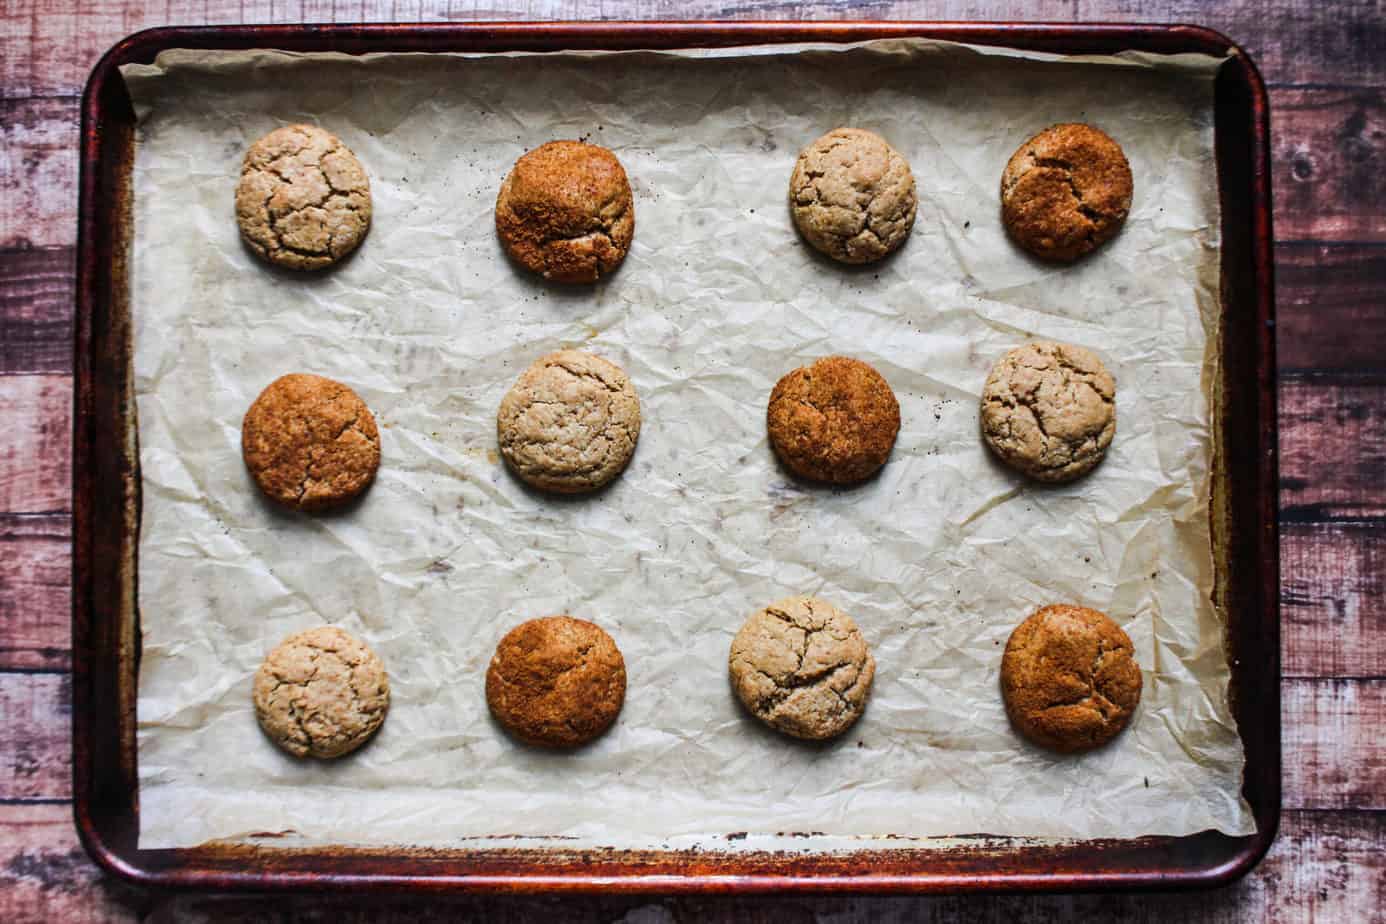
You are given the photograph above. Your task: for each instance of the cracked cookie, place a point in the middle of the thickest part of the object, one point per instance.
(570, 423)
(852, 196)
(310, 443)
(321, 693)
(1049, 410)
(303, 201)
(1066, 191)
(801, 666)
(565, 212)
(833, 421)
(1069, 678)
(556, 682)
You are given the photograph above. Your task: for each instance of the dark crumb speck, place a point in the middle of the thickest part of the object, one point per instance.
(1147, 781)
(967, 224)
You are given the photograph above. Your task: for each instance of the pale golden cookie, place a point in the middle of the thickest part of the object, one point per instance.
(1069, 678)
(1049, 410)
(310, 443)
(557, 682)
(570, 423)
(802, 667)
(1066, 191)
(566, 212)
(321, 693)
(852, 196)
(303, 201)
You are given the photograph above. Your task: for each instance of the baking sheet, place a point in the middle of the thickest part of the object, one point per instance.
(937, 559)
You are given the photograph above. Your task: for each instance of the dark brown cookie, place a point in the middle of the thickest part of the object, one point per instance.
(557, 682)
(566, 212)
(1066, 191)
(310, 443)
(1069, 678)
(833, 421)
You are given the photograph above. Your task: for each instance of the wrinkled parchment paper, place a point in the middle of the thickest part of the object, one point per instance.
(937, 559)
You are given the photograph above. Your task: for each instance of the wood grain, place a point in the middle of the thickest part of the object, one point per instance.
(53, 43)
(35, 711)
(1325, 866)
(1332, 448)
(35, 591)
(1328, 162)
(1331, 306)
(38, 171)
(36, 454)
(36, 298)
(1333, 600)
(46, 878)
(1335, 754)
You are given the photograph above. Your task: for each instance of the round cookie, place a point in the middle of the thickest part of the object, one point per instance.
(310, 443)
(303, 201)
(1066, 191)
(852, 196)
(1049, 410)
(1069, 678)
(570, 423)
(321, 693)
(565, 212)
(801, 666)
(833, 421)
(556, 682)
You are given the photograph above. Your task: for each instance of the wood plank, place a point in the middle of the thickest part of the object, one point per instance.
(38, 171)
(35, 456)
(1334, 752)
(1328, 163)
(46, 877)
(36, 303)
(1330, 306)
(35, 591)
(35, 716)
(50, 45)
(1332, 448)
(1333, 599)
(1324, 866)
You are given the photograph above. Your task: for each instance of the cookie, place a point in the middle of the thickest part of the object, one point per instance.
(1066, 192)
(321, 693)
(1069, 678)
(556, 682)
(303, 201)
(833, 421)
(1049, 410)
(852, 196)
(801, 666)
(570, 422)
(566, 212)
(310, 443)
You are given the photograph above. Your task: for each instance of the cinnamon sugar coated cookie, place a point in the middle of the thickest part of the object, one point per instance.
(321, 693)
(303, 201)
(556, 682)
(852, 196)
(566, 212)
(1066, 191)
(570, 423)
(310, 443)
(1049, 410)
(835, 420)
(802, 667)
(1069, 678)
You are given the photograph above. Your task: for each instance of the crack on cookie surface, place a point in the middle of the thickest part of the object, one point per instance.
(303, 200)
(834, 198)
(570, 423)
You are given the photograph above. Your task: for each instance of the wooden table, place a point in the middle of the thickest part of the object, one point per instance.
(1325, 64)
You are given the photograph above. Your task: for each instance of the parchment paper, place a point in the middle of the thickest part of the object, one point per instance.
(937, 559)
